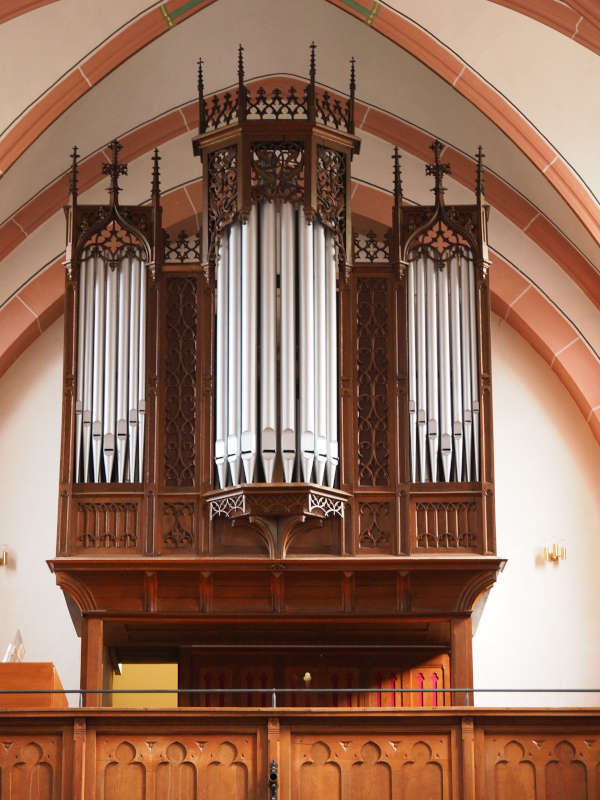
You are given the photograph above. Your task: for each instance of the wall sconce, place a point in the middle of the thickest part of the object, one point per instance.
(3, 555)
(307, 678)
(555, 552)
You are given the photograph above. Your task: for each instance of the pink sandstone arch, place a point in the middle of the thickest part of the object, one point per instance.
(572, 20)
(376, 122)
(390, 23)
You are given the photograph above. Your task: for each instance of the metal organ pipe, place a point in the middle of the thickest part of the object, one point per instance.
(97, 379)
(123, 366)
(456, 367)
(222, 368)
(233, 347)
(333, 455)
(287, 299)
(288, 340)
(268, 319)
(307, 348)
(249, 322)
(320, 354)
(110, 394)
(432, 367)
(443, 376)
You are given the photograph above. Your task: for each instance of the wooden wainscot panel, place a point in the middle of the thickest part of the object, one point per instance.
(530, 766)
(100, 526)
(386, 766)
(375, 592)
(175, 767)
(321, 537)
(178, 526)
(242, 592)
(320, 592)
(180, 591)
(117, 590)
(31, 766)
(240, 538)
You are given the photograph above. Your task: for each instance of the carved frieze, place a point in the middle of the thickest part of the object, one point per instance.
(441, 525)
(106, 525)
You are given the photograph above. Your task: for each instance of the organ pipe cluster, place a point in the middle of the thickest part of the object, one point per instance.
(276, 350)
(110, 402)
(443, 368)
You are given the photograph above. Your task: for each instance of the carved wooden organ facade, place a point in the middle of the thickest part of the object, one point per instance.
(277, 433)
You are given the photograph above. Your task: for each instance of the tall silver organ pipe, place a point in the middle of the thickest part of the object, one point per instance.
(443, 377)
(276, 350)
(110, 399)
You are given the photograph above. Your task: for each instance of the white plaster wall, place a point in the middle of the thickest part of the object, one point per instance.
(30, 413)
(541, 624)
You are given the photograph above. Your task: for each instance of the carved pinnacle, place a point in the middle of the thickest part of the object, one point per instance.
(201, 108)
(313, 63)
(114, 169)
(438, 170)
(352, 95)
(155, 174)
(241, 64)
(397, 177)
(479, 181)
(73, 180)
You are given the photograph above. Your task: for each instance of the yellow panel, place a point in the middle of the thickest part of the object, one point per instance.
(145, 676)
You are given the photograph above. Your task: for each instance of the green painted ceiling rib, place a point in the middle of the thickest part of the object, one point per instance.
(171, 16)
(368, 14)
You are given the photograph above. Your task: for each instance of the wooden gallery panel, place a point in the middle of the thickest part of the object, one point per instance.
(31, 767)
(541, 767)
(362, 766)
(175, 767)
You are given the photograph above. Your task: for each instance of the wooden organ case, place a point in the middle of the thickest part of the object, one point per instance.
(277, 434)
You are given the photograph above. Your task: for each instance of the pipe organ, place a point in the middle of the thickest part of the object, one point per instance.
(265, 422)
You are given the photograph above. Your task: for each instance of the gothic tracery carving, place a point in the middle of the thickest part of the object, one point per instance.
(222, 194)
(181, 382)
(372, 380)
(331, 194)
(277, 171)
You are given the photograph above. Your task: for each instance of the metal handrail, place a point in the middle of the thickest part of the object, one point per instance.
(274, 692)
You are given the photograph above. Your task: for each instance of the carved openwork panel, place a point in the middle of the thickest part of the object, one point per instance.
(183, 249)
(222, 168)
(331, 194)
(542, 766)
(175, 767)
(356, 767)
(30, 767)
(181, 381)
(376, 526)
(277, 171)
(440, 242)
(277, 104)
(332, 111)
(372, 354)
(113, 244)
(369, 248)
(447, 525)
(98, 525)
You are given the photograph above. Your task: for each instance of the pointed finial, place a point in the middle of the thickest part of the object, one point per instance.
(155, 174)
(438, 170)
(201, 105)
(241, 63)
(241, 87)
(311, 92)
(479, 180)
(352, 94)
(397, 178)
(313, 63)
(114, 169)
(73, 180)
